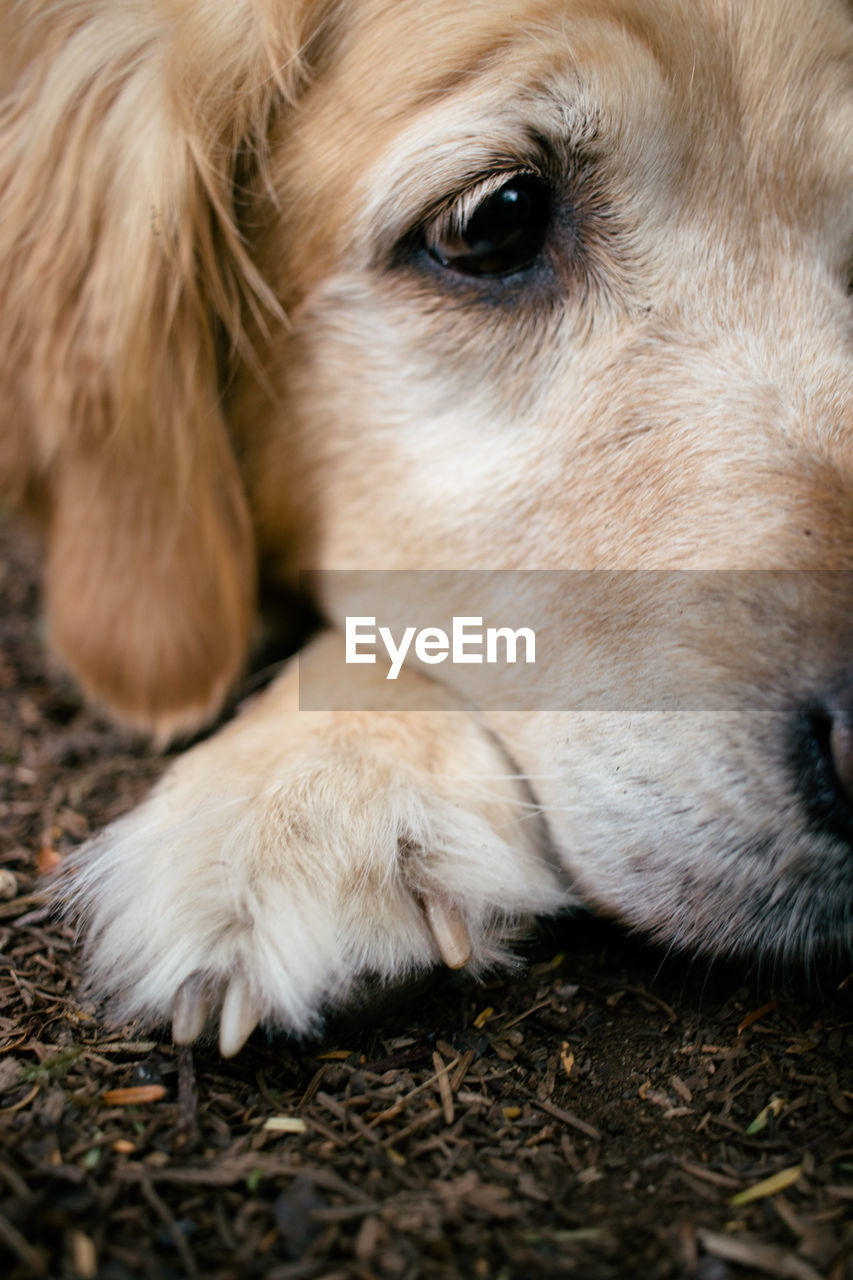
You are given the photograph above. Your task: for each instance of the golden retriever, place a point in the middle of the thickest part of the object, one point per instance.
(525, 285)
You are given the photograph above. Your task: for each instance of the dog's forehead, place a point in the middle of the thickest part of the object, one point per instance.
(419, 94)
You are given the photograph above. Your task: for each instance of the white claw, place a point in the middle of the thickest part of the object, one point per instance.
(189, 1012)
(240, 1015)
(449, 930)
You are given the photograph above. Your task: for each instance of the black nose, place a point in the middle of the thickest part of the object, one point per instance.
(824, 759)
(841, 746)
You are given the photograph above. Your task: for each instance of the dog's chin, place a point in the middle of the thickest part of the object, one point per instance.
(726, 833)
(773, 903)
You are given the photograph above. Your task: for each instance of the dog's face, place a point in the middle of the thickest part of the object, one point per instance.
(652, 368)
(569, 289)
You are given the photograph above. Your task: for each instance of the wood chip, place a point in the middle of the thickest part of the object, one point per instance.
(567, 1118)
(681, 1088)
(285, 1124)
(461, 1070)
(763, 1257)
(444, 1089)
(134, 1096)
(11, 1237)
(47, 860)
(756, 1015)
(83, 1255)
(708, 1175)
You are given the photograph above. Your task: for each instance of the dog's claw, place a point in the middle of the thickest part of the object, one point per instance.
(240, 1015)
(449, 930)
(189, 1012)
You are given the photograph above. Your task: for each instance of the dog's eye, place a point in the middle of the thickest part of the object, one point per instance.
(493, 232)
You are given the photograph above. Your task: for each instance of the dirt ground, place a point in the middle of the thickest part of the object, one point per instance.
(602, 1112)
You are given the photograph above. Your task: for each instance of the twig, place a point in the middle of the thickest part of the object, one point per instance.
(175, 1234)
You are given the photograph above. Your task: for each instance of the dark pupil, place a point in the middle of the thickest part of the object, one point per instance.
(505, 233)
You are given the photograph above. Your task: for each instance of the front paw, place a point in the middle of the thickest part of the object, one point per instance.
(292, 854)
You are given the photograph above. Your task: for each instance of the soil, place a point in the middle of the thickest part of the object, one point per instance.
(603, 1112)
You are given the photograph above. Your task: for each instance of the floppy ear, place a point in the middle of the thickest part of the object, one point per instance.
(124, 278)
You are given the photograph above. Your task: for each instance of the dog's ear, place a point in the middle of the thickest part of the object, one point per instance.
(124, 280)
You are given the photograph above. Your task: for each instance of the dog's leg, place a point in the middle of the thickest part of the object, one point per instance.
(295, 851)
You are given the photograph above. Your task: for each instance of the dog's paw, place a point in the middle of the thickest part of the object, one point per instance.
(293, 853)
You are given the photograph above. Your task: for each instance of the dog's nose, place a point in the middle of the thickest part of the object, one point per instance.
(824, 759)
(841, 742)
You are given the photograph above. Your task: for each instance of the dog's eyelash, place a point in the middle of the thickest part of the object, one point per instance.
(495, 227)
(456, 211)
(518, 220)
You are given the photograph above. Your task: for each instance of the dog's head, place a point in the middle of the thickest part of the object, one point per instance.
(551, 285)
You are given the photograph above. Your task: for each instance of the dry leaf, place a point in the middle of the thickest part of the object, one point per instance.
(768, 1187)
(773, 1108)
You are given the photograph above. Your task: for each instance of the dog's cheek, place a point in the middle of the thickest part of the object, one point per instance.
(374, 410)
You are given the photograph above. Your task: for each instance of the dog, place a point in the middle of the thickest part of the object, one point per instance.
(545, 287)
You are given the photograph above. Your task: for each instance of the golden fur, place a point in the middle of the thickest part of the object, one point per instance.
(224, 353)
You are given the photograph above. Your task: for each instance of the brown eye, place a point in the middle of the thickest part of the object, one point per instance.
(502, 234)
